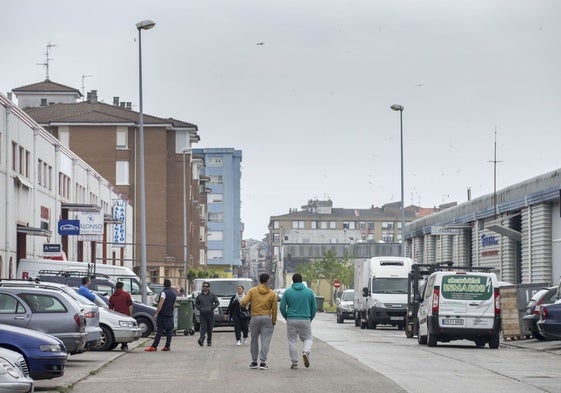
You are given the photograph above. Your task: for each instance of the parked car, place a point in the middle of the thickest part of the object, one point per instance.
(12, 375)
(90, 310)
(116, 328)
(143, 314)
(345, 308)
(45, 355)
(47, 311)
(541, 298)
(549, 324)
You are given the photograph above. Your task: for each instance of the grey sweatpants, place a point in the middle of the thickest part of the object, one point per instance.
(295, 328)
(260, 325)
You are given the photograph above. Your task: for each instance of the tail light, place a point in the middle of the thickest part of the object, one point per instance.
(435, 300)
(78, 320)
(90, 314)
(545, 313)
(497, 302)
(538, 306)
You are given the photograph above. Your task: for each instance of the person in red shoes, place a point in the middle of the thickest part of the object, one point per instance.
(121, 301)
(164, 317)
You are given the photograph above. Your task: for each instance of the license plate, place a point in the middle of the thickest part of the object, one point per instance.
(396, 318)
(453, 322)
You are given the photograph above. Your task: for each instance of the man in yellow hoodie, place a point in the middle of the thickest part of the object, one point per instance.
(263, 302)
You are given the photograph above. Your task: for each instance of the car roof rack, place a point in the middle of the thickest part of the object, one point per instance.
(71, 273)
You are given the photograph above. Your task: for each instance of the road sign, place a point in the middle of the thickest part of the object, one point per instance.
(336, 283)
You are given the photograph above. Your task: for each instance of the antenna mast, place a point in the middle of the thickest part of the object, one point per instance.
(83, 87)
(494, 161)
(47, 59)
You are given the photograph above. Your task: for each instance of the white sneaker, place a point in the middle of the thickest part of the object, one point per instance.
(245, 341)
(238, 342)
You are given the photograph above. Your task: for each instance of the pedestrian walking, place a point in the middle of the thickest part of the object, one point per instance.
(239, 315)
(263, 303)
(164, 317)
(206, 302)
(298, 306)
(85, 290)
(121, 301)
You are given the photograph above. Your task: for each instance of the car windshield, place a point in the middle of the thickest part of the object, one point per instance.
(347, 295)
(389, 285)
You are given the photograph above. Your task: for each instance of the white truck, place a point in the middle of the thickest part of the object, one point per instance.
(30, 268)
(380, 296)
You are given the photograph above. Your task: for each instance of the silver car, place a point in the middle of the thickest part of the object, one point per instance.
(46, 311)
(14, 376)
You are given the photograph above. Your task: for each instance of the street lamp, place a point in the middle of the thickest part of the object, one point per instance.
(185, 255)
(142, 25)
(400, 108)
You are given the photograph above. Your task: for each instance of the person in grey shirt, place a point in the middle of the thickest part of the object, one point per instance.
(206, 302)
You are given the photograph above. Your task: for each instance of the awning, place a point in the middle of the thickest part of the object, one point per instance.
(31, 231)
(80, 207)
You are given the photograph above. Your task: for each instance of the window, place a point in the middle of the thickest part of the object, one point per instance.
(9, 305)
(387, 237)
(215, 254)
(14, 156)
(323, 224)
(43, 102)
(40, 172)
(214, 161)
(41, 303)
(215, 179)
(215, 235)
(276, 237)
(370, 225)
(122, 138)
(276, 225)
(361, 224)
(313, 224)
(215, 217)
(297, 224)
(349, 225)
(122, 173)
(387, 225)
(332, 225)
(215, 198)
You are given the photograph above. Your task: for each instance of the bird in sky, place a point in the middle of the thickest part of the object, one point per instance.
(260, 43)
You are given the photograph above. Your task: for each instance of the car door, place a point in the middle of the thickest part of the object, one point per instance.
(13, 312)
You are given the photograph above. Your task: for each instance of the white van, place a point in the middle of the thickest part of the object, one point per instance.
(459, 305)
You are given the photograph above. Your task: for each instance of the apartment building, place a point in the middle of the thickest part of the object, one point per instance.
(106, 136)
(224, 237)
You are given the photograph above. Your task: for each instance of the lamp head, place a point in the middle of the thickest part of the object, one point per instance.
(145, 24)
(397, 107)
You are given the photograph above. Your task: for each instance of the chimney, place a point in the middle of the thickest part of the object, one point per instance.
(129, 105)
(116, 101)
(92, 96)
(10, 96)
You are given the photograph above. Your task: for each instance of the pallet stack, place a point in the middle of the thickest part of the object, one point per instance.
(512, 313)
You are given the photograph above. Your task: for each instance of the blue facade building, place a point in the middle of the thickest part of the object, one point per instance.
(224, 226)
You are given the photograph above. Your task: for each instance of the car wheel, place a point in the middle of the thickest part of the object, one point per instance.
(113, 346)
(480, 342)
(538, 336)
(339, 318)
(357, 320)
(422, 340)
(105, 341)
(145, 325)
(371, 324)
(431, 339)
(494, 341)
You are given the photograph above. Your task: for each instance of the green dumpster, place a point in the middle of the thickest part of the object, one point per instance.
(185, 316)
(319, 302)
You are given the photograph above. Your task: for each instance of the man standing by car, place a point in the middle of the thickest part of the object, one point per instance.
(298, 306)
(84, 289)
(206, 302)
(164, 317)
(263, 303)
(121, 301)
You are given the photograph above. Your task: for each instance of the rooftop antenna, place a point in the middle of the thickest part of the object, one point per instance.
(83, 87)
(47, 59)
(494, 161)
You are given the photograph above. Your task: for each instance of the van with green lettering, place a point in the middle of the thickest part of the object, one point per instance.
(460, 305)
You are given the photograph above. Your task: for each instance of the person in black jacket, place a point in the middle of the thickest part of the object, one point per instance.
(239, 315)
(164, 317)
(206, 302)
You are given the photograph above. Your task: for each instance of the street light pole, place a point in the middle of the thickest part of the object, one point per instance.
(142, 25)
(400, 108)
(185, 255)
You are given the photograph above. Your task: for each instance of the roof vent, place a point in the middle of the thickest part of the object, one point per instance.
(116, 101)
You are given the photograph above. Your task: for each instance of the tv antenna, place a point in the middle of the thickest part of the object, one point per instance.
(494, 161)
(47, 59)
(83, 87)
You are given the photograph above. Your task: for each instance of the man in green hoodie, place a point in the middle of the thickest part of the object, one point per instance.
(298, 306)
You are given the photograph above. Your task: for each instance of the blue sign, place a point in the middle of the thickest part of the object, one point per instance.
(68, 227)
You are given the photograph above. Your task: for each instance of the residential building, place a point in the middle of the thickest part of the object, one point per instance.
(106, 136)
(223, 171)
(43, 183)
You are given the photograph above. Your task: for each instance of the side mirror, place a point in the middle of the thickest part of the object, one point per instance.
(365, 292)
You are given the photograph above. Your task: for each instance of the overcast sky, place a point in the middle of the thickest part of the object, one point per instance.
(304, 88)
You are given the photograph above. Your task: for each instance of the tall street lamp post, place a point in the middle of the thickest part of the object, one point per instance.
(400, 108)
(142, 25)
(185, 255)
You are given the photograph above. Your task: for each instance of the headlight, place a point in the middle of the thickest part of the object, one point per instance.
(7, 368)
(127, 323)
(51, 348)
(377, 303)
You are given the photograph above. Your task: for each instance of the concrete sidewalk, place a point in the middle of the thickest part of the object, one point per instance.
(222, 367)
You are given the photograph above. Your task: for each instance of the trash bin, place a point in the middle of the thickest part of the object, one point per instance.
(185, 316)
(319, 302)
